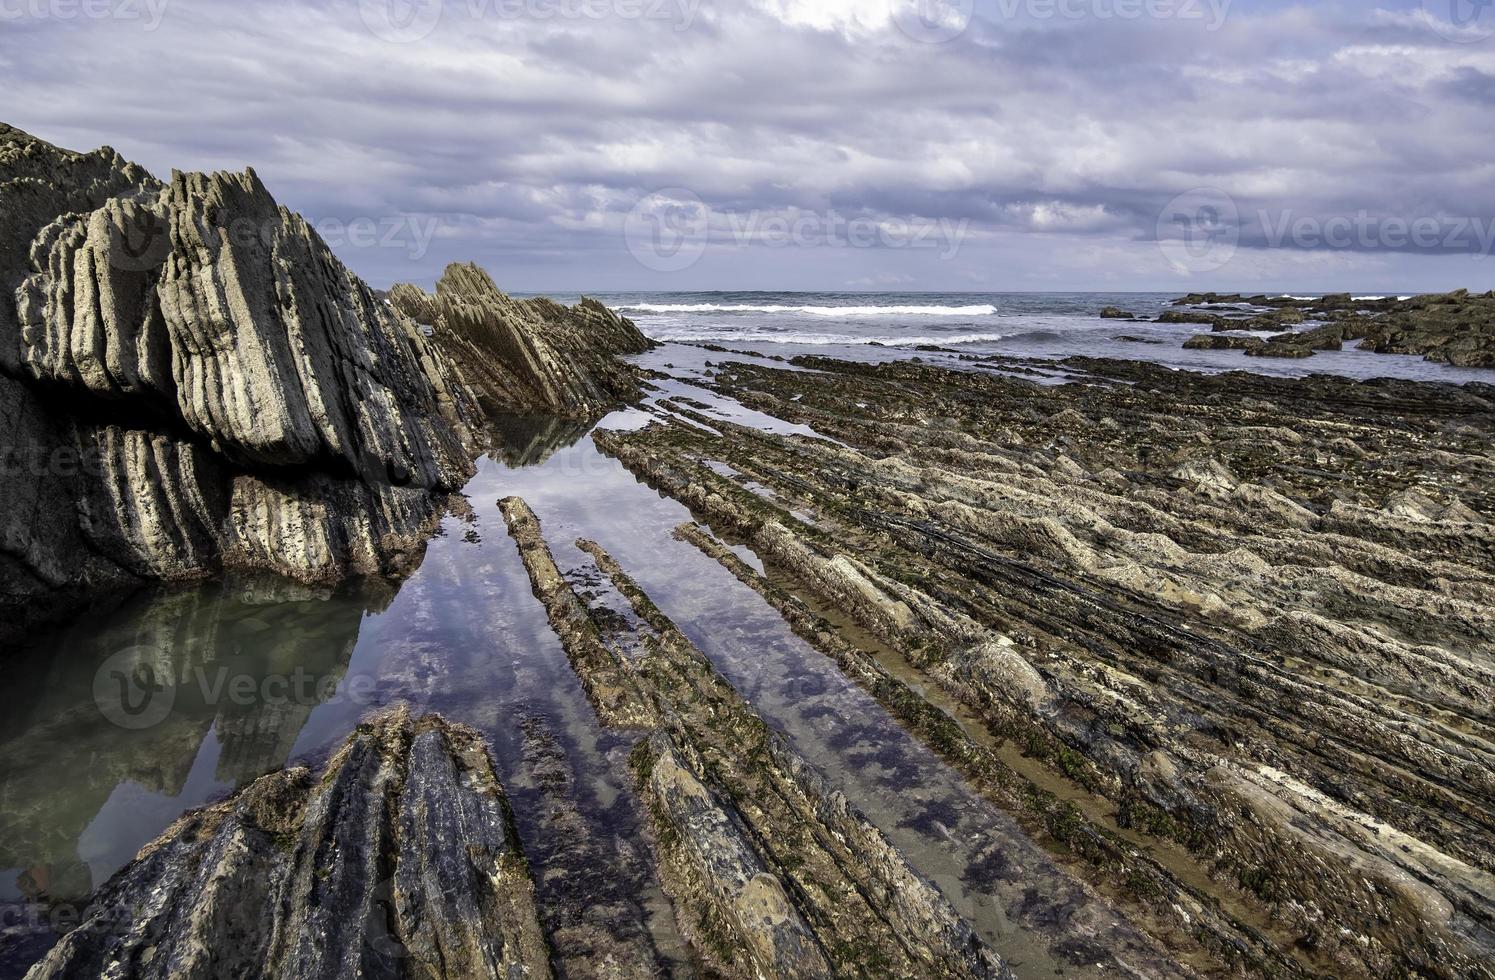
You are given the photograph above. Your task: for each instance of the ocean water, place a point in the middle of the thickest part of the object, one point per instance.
(879, 326)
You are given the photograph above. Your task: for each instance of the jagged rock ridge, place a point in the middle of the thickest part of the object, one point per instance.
(398, 860)
(192, 383)
(528, 354)
(1251, 614)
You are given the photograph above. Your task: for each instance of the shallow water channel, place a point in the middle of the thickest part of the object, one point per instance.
(124, 720)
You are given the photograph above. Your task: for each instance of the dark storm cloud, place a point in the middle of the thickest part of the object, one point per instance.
(524, 140)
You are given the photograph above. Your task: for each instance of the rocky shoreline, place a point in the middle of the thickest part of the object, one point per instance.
(1248, 617)
(1455, 328)
(1217, 649)
(191, 383)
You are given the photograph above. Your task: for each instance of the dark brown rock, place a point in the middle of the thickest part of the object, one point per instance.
(398, 860)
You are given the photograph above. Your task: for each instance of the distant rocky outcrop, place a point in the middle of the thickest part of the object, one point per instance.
(1455, 328)
(528, 354)
(398, 860)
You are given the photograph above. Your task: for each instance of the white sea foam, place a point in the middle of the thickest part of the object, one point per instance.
(822, 339)
(828, 311)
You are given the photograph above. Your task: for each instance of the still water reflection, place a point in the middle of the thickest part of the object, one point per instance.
(127, 719)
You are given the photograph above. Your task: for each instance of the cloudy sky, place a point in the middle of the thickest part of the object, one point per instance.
(812, 144)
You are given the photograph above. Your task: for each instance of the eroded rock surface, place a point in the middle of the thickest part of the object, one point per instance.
(1248, 616)
(772, 872)
(1452, 328)
(528, 354)
(191, 382)
(397, 860)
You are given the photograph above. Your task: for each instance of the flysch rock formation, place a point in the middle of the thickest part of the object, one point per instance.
(1228, 638)
(398, 859)
(772, 872)
(532, 354)
(191, 383)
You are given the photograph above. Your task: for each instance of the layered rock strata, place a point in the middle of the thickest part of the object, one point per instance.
(528, 355)
(192, 382)
(1249, 617)
(772, 872)
(397, 860)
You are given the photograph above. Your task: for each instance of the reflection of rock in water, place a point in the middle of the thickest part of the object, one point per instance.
(247, 662)
(529, 440)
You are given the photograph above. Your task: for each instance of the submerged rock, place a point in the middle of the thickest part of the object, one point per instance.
(1277, 348)
(772, 872)
(398, 860)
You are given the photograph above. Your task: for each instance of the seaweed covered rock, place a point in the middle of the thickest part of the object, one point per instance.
(1455, 328)
(1253, 613)
(528, 354)
(1218, 341)
(398, 860)
(772, 871)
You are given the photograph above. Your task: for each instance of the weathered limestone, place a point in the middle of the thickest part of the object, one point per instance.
(772, 872)
(528, 354)
(1191, 595)
(398, 860)
(191, 382)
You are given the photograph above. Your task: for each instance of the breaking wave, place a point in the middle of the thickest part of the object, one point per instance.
(823, 339)
(827, 311)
